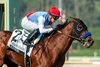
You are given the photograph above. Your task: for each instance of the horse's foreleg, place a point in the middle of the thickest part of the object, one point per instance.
(2, 53)
(1, 61)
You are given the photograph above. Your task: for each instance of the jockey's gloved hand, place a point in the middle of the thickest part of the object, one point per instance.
(60, 26)
(55, 29)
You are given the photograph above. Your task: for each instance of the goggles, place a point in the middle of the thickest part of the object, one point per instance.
(55, 17)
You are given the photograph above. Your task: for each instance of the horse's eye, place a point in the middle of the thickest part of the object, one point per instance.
(79, 27)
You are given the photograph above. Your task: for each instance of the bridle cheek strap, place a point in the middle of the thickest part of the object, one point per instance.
(86, 35)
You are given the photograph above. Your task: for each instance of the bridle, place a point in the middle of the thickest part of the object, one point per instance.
(77, 30)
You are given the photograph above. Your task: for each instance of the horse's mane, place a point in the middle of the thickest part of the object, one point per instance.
(61, 26)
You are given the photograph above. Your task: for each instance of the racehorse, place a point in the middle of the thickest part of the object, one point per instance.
(50, 51)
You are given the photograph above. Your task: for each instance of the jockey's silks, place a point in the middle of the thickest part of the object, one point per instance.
(33, 16)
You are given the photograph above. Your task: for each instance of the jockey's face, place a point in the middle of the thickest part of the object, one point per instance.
(53, 18)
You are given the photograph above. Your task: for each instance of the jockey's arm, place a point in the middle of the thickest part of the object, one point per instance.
(42, 29)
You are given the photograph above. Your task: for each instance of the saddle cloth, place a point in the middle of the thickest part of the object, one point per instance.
(16, 41)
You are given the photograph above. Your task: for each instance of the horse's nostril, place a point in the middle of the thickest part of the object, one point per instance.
(89, 40)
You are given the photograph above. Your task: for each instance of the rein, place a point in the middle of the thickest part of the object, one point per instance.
(84, 36)
(76, 38)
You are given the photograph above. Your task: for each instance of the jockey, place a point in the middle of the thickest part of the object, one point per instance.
(37, 22)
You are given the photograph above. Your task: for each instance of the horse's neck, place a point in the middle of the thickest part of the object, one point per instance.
(59, 44)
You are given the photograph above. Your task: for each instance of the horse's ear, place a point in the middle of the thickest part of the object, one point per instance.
(68, 19)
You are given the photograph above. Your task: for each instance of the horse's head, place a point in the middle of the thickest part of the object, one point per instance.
(79, 31)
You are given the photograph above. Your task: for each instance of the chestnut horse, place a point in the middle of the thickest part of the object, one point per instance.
(50, 52)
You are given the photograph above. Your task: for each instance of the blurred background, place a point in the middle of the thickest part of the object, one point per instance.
(12, 11)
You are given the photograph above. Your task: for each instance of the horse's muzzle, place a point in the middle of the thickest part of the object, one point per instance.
(88, 42)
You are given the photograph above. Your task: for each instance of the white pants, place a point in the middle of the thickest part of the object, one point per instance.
(28, 25)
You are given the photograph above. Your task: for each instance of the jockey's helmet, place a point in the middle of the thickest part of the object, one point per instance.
(54, 11)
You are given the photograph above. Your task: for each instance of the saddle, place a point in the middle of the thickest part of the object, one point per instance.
(16, 41)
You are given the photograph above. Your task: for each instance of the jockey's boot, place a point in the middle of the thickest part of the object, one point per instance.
(30, 37)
